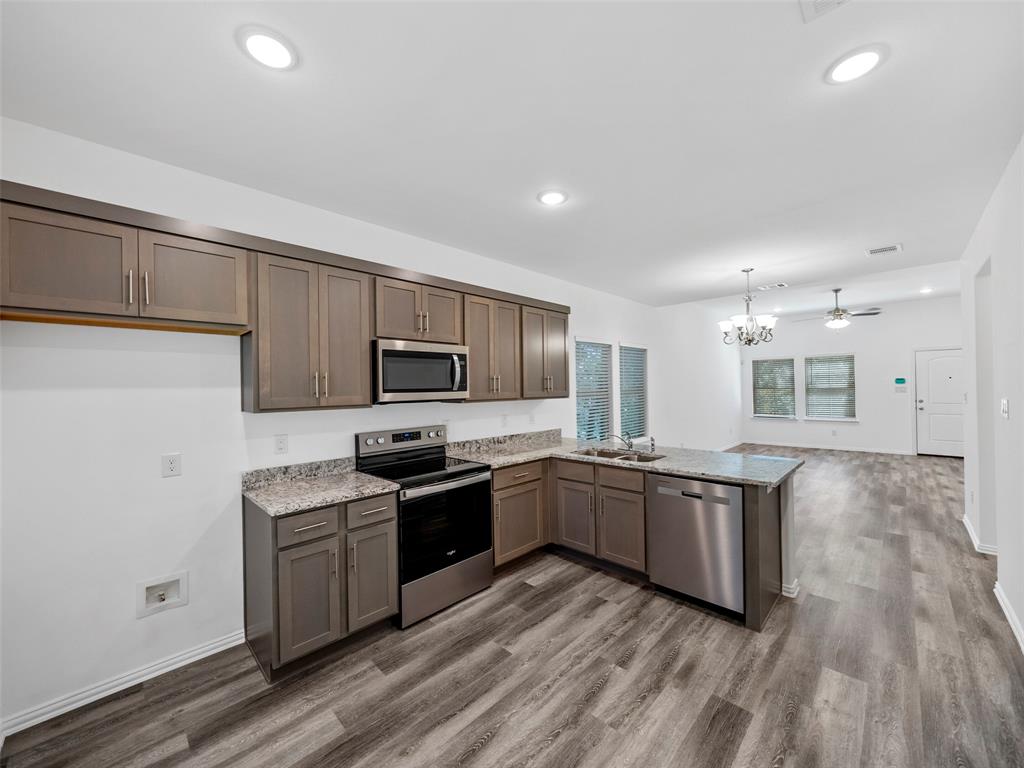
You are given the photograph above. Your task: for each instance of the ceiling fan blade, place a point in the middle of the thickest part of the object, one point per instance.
(869, 312)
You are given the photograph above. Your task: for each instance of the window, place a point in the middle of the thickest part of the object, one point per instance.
(831, 387)
(633, 390)
(593, 390)
(774, 391)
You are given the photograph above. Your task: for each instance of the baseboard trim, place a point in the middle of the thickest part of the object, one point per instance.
(827, 447)
(35, 715)
(985, 549)
(1011, 615)
(791, 590)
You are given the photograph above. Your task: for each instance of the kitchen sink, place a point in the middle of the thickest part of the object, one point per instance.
(642, 458)
(605, 453)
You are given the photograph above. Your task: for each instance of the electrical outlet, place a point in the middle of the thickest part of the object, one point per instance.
(1004, 408)
(504, 420)
(170, 465)
(280, 443)
(835, 432)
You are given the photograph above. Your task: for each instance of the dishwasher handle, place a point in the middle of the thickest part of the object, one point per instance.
(668, 490)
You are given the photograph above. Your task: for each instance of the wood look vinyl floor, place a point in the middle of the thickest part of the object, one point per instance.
(895, 653)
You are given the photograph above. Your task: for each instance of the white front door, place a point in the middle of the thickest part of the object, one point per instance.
(941, 390)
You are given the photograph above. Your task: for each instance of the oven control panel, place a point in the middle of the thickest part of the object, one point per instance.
(393, 440)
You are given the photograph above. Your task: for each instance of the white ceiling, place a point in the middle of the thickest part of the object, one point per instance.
(693, 138)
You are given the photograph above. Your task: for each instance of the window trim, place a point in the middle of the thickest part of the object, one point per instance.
(753, 391)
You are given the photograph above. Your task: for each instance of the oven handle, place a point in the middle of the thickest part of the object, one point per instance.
(458, 372)
(430, 490)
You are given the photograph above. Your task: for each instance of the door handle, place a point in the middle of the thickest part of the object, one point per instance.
(131, 282)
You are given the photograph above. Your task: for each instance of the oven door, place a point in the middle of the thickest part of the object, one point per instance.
(410, 371)
(440, 525)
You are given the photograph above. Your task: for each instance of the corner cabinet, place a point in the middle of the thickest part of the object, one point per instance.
(545, 353)
(419, 312)
(310, 344)
(492, 334)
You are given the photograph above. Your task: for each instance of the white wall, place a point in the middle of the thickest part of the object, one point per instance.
(883, 347)
(997, 244)
(86, 413)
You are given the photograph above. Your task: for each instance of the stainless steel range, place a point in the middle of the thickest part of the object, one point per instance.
(444, 520)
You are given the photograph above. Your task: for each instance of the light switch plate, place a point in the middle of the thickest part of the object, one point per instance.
(280, 443)
(1004, 408)
(170, 465)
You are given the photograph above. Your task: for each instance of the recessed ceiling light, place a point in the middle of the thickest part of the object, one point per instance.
(855, 64)
(926, 290)
(777, 309)
(267, 48)
(552, 197)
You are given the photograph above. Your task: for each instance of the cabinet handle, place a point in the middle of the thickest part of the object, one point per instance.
(310, 527)
(419, 322)
(373, 511)
(521, 474)
(325, 385)
(426, 322)
(145, 282)
(355, 564)
(497, 385)
(316, 384)
(334, 564)
(497, 511)
(131, 282)
(590, 502)
(602, 506)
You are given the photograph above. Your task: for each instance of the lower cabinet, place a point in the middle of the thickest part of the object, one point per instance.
(373, 575)
(518, 520)
(574, 507)
(621, 528)
(309, 597)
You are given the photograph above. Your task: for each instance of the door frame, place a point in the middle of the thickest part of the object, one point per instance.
(913, 402)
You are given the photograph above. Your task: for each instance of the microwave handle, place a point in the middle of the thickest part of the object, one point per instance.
(458, 373)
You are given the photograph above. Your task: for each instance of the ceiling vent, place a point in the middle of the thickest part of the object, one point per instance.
(772, 286)
(886, 250)
(815, 9)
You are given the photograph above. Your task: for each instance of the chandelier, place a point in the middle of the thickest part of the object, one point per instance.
(748, 329)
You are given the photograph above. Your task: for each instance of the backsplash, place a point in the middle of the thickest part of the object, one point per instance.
(522, 441)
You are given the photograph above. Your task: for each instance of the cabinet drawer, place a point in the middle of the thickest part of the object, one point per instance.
(521, 473)
(574, 470)
(626, 479)
(307, 526)
(375, 510)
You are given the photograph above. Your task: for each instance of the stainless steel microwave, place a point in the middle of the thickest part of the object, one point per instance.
(412, 371)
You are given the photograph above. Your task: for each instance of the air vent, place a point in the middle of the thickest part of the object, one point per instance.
(772, 286)
(815, 9)
(885, 250)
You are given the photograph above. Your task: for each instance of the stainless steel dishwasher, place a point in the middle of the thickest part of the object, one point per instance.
(695, 539)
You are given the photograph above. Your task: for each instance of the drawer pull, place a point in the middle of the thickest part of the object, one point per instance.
(521, 474)
(374, 511)
(310, 527)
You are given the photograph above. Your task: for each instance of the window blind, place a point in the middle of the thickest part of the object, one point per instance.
(633, 390)
(774, 390)
(831, 387)
(593, 390)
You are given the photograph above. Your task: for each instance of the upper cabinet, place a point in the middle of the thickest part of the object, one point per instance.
(313, 336)
(545, 353)
(420, 312)
(53, 261)
(67, 263)
(492, 335)
(185, 279)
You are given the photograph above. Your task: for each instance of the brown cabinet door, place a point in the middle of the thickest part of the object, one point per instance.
(479, 336)
(54, 261)
(621, 534)
(518, 521)
(399, 309)
(185, 279)
(288, 332)
(556, 349)
(344, 314)
(506, 350)
(575, 510)
(535, 378)
(442, 315)
(309, 597)
(372, 575)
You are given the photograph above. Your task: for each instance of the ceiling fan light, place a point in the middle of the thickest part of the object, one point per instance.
(837, 322)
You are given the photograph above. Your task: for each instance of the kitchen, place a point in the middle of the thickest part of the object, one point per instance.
(327, 473)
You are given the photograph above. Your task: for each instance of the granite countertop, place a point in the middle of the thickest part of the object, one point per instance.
(300, 487)
(738, 468)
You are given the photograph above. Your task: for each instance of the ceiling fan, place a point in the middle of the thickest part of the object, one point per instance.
(840, 317)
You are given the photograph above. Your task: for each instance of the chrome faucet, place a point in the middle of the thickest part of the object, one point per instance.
(652, 444)
(627, 440)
